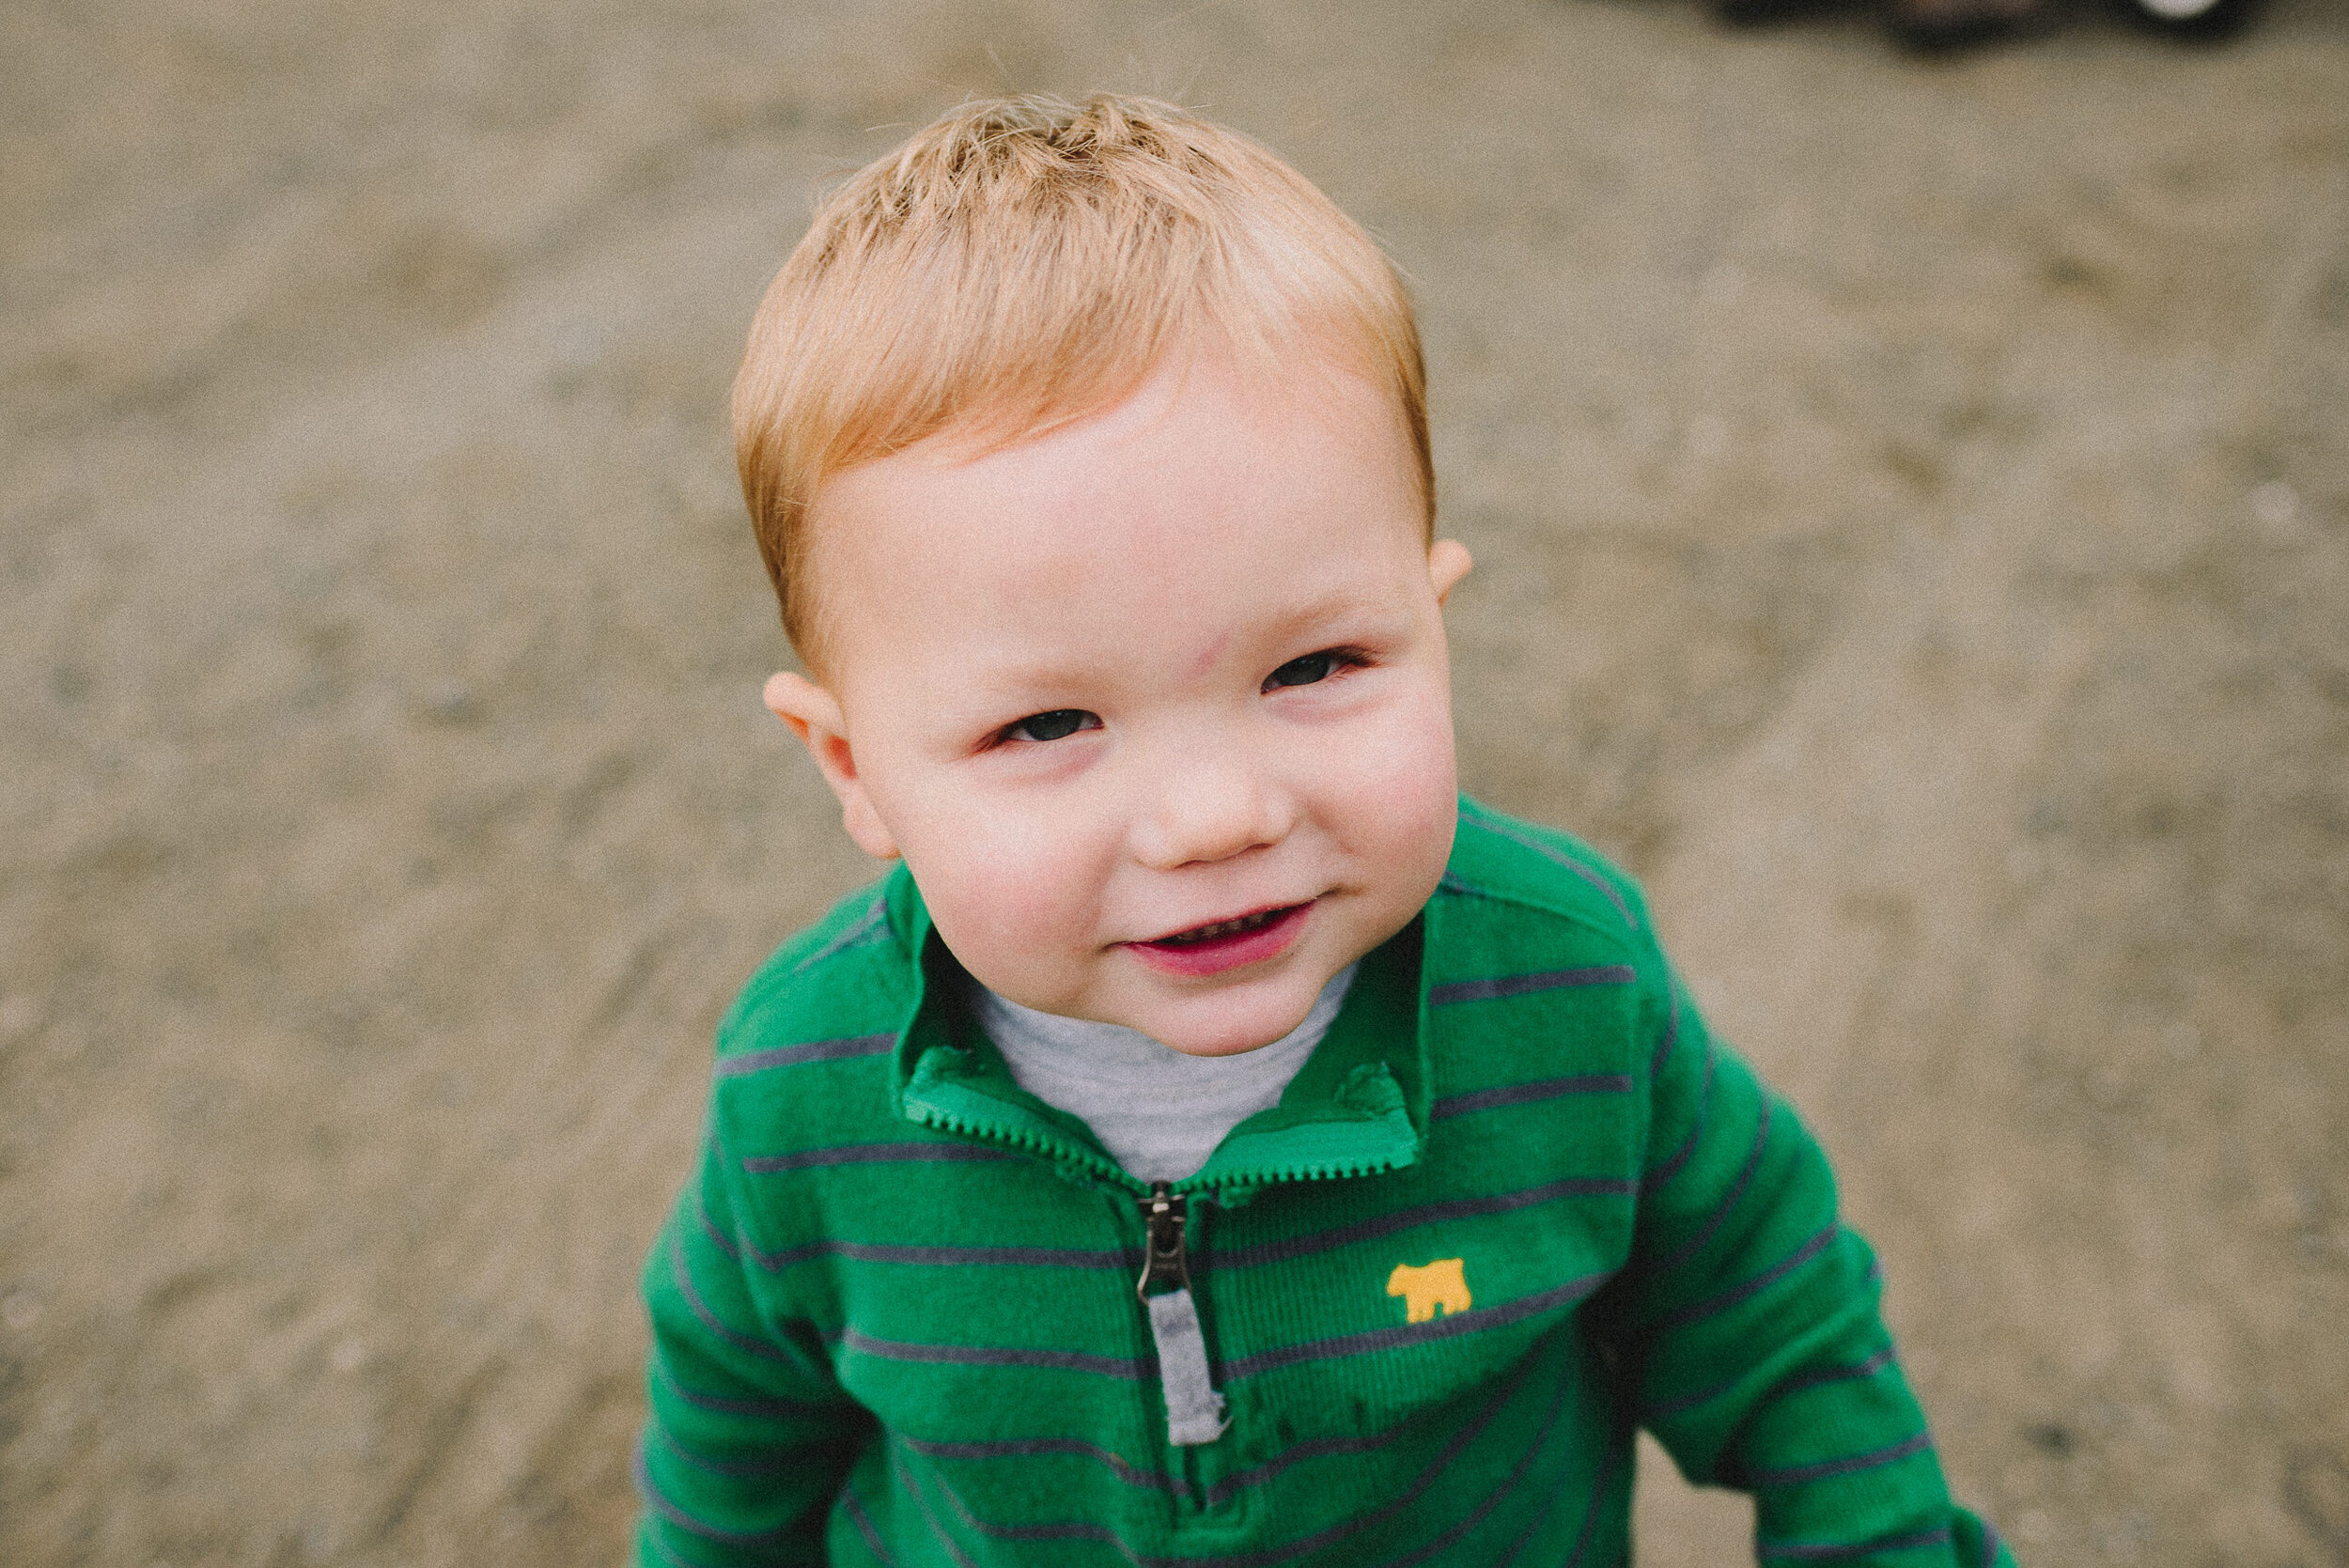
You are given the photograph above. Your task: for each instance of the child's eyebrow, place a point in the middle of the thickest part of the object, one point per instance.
(1011, 690)
(1017, 683)
(1338, 604)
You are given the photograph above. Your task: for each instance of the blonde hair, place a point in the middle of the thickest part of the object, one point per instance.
(1023, 262)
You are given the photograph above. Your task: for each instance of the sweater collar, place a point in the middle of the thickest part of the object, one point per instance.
(1358, 1105)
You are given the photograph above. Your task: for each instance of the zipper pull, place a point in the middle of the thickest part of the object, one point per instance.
(1165, 1264)
(1194, 1411)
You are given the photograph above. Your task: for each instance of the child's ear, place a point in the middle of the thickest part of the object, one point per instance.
(814, 715)
(1447, 563)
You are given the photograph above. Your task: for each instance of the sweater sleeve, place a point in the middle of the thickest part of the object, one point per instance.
(1749, 1327)
(750, 1435)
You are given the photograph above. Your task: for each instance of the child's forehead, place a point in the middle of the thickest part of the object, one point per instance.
(1204, 481)
(1183, 464)
(1327, 381)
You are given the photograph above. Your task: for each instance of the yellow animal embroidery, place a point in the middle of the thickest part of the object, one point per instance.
(1429, 1288)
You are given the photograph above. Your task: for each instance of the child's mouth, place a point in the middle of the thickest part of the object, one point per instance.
(1213, 929)
(1223, 944)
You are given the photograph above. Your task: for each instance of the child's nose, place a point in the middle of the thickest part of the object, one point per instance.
(1205, 808)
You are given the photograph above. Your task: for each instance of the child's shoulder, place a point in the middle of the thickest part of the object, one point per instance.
(1545, 872)
(1541, 964)
(811, 1034)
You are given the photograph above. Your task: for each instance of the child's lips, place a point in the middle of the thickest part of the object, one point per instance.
(1225, 944)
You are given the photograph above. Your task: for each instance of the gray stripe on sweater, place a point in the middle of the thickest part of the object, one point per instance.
(1456, 991)
(1794, 1475)
(1478, 1514)
(1598, 1493)
(907, 1252)
(1679, 1156)
(770, 1465)
(1034, 1448)
(1672, 1033)
(729, 1406)
(1816, 1377)
(1425, 1214)
(906, 1480)
(814, 1051)
(765, 1349)
(1526, 1093)
(863, 1523)
(870, 925)
(1077, 1530)
(1754, 1286)
(1601, 883)
(1714, 1221)
(1795, 1383)
(1475, 1320)
(998, 1356)
(659, 1502)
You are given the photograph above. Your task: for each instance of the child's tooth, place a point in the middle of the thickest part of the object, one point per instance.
(1222, 927)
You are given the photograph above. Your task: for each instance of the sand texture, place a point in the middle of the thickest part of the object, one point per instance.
(1912, 513)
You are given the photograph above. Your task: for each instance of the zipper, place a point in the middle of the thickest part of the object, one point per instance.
(1112, 1174)
(1194, 1411)
(1166, 1258)
(923, 1104)
(1058, 1151)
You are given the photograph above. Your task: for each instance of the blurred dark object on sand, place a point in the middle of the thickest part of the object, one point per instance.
(1934, 26)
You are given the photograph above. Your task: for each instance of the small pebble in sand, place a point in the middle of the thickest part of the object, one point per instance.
(453, 704)
(2275, 504)
(19, 1017)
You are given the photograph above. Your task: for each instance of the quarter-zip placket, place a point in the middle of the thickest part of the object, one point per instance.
(1354, 1110)
(1194, 1411)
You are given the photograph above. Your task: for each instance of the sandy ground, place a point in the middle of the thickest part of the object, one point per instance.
(1912, 504)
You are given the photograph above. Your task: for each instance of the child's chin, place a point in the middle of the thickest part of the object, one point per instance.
(1219, 1048)
(1238, 1031)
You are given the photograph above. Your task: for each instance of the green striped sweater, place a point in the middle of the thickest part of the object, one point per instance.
(1517, 1204)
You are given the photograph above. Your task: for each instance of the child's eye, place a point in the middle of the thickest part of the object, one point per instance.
(1313, 667)
(1058, 725)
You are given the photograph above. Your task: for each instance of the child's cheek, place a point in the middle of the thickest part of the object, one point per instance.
(1401, 773)
(1015, 903)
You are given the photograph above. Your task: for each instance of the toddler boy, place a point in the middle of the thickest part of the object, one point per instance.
(1214, 1141)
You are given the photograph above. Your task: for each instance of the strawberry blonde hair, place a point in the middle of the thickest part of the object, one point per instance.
(1023, 262)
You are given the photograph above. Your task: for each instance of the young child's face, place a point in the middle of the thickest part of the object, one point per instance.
(1155, 707)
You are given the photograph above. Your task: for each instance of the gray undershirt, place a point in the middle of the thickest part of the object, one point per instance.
(1159, 1112)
